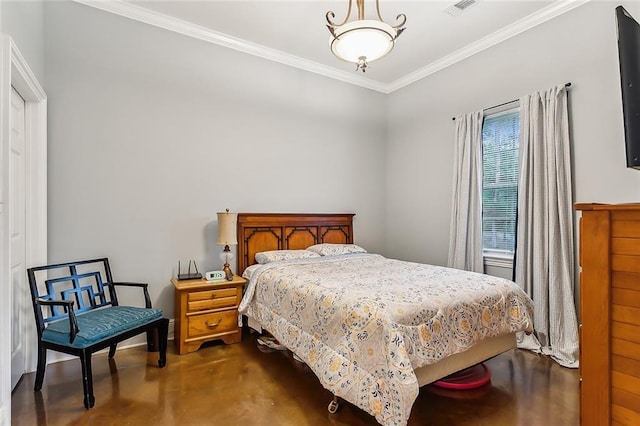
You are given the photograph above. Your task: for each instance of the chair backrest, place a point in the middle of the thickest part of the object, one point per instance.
(83, 282)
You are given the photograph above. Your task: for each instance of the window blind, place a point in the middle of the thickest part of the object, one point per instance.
(500, 133)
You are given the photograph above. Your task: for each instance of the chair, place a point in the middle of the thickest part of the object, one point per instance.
(77, 312)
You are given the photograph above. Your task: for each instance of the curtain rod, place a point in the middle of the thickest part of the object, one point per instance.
(505, 103)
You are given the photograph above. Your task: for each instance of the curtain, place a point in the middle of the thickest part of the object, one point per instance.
(465, 235)
(544, 253)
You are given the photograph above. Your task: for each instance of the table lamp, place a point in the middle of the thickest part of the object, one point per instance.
(226, 236)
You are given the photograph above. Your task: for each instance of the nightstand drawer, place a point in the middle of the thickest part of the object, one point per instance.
(218, 322)
(212, 299)
(206, 311)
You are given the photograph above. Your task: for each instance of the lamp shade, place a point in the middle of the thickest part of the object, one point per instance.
(227, 228)
(367, 39)
(363, 40)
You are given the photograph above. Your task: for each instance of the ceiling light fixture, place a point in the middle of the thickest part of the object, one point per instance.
(363, 40)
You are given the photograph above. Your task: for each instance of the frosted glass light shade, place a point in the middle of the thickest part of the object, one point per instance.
(227, 228)
(366, 38)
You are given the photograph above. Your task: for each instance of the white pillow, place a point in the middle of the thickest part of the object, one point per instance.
(328, 249)
(277, 255)
(250, 270)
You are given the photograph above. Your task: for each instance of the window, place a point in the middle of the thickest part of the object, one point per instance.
(500, 133)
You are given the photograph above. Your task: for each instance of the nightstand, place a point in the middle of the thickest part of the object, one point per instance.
(206, 311)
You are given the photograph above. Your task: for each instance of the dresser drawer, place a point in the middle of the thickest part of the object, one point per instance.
(214, 323)
(212, 299)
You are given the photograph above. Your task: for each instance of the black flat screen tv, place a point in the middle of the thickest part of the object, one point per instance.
(629, 57)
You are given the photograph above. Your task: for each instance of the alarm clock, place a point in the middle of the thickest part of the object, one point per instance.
(214, 276)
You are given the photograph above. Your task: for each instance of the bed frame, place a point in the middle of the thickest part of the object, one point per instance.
(288, 231)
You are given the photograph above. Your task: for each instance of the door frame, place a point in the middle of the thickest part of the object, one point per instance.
(14, 71)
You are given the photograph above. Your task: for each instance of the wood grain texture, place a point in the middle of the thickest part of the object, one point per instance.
(625, 382)
(625, 314)
(624, 263)
(625, 416)
(626, 366)
(624, 297)
(629, 332)
(206, 311)
(610, 313)
(625, 399)
(626, 280)
(625, 348)
(625, 246)
(289, 231)
(625, 228)
(594, 308)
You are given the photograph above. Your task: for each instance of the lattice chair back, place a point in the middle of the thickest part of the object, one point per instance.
(86, 283)
(77, 312)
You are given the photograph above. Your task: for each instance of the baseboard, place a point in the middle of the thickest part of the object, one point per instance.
(171, 328)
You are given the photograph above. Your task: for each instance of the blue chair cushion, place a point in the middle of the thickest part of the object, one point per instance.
(100, 324)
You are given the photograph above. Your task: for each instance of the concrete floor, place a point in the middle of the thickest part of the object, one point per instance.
(241, 385)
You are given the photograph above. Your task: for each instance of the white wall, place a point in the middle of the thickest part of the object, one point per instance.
(578, 47)
(151, 133)
(24, 22)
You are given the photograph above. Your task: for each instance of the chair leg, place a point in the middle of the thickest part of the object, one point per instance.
(152, 340)
(42, 364)
(163, 333)
(87, 379)
(112, 350)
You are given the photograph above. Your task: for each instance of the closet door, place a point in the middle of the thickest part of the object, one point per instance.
(17, 235)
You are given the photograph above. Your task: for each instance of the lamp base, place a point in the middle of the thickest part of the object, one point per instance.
(227, 272)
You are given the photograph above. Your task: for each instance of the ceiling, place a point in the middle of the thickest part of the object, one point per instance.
(294, 32)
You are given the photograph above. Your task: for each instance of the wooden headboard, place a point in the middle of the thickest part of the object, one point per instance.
(289, 231)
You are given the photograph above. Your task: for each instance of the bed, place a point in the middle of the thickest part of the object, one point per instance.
(342, 316)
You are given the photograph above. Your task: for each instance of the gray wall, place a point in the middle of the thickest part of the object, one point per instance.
(151, 133)
(24, 22)
(577, 47)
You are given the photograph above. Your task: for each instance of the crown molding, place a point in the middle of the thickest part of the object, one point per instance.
(141, 14)
(24, 76)
(543, 15)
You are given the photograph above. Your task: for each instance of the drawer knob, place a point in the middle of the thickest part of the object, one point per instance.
(213, 325)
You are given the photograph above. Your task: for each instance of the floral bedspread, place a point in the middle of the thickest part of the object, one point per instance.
(363, 322)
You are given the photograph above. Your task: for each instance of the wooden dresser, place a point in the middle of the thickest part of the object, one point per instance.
(610, 314)
(206, 311)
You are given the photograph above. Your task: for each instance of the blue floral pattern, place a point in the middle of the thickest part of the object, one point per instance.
(363, 322)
